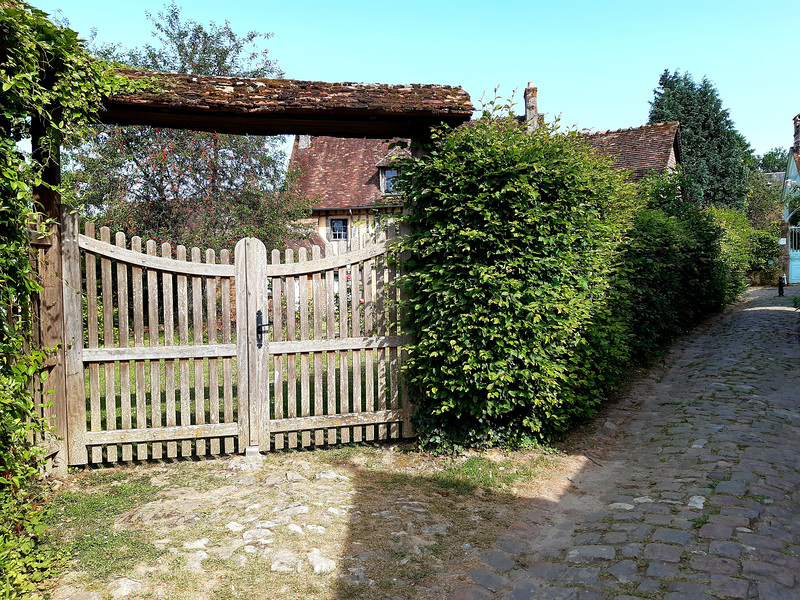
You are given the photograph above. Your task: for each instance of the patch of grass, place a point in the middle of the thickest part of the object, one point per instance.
(103, 552)
(98, 509)
(699, 522)
(90, 513)
(478, 472)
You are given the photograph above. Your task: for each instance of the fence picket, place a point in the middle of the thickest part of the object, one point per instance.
(153, 327)
(169, 340)
(380, 326)
(124, 341)
(291, 359)
(183, 363)
(277, 336)
(227, 363)
(369, 330)
(213, 363)
(305, 392)
(197, 339)
(138, 340)
(355, 330)
(393, 365)
(317, 310)
(330, 362)
(95, 410)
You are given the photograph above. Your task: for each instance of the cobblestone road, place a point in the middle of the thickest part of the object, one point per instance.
(700, 496)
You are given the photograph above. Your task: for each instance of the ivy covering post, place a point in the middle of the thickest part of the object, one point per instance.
(515, 244)
(49, 87)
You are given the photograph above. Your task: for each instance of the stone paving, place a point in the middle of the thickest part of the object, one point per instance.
(699, 497)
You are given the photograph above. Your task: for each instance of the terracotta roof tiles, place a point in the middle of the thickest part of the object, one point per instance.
(641, 149)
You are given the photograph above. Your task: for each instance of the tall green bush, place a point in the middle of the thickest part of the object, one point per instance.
(515, 242)
(675, 271)
(735, 250)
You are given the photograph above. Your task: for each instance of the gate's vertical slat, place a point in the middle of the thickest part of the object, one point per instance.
(391, 288)
(108, 342)
(369, 330)
(344, 367)
(330, 327)
(153, 340)
(138, 340)
(197, 338)
(227, 363)
(183, 364)
(405, 400)
(291, 359)
(213, 338)
(305, 392)
(317, 308)
(169, 340)
(277, 335)
(93, 340)
(124, 341)
(72, 294)
(355, 295)
(380, 324)
(244, 304)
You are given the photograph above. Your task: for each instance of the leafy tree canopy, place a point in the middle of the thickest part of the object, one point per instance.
(764, 208)
(773, 161)
(715, 154)
(182, 186)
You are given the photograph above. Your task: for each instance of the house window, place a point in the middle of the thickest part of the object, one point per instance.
(388, 180)
(338, 229)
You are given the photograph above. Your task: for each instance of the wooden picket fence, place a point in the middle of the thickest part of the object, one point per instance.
(174, 352)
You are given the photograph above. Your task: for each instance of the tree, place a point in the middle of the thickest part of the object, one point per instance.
(764, 208)
(184, 186)
(773, 161)
(715, 154)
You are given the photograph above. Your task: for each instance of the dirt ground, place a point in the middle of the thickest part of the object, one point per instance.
(356, 522)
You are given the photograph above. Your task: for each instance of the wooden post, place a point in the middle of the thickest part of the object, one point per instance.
(73, 339)
(51, 299)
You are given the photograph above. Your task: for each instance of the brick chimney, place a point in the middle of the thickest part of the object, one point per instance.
(796, 146)
(532, 115)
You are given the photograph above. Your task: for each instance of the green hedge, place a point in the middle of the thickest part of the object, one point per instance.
(515, 242)
(538, 274)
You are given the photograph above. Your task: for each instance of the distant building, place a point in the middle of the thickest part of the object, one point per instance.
(790, 196)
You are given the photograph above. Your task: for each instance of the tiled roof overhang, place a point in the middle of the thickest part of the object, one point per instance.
(286, 106)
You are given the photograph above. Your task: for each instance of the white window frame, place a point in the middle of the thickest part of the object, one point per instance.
(393, 192)
(332, 236)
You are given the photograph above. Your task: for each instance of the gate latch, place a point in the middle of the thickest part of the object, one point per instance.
(261, 328)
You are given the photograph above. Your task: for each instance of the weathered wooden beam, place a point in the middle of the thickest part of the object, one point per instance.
(286, 106)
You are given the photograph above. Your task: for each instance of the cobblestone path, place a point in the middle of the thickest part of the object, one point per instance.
(699, 497)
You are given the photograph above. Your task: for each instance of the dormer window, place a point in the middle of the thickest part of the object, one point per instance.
(338, 229)
(388, 175)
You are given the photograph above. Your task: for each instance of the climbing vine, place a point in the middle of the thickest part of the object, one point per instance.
(47, 79)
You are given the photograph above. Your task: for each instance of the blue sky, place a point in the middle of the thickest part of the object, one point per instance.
(595, 63)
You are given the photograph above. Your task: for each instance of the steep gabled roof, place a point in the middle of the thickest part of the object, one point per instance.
(343, 172)
(653, 147)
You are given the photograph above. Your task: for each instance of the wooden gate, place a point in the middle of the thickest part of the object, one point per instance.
(195, 355)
